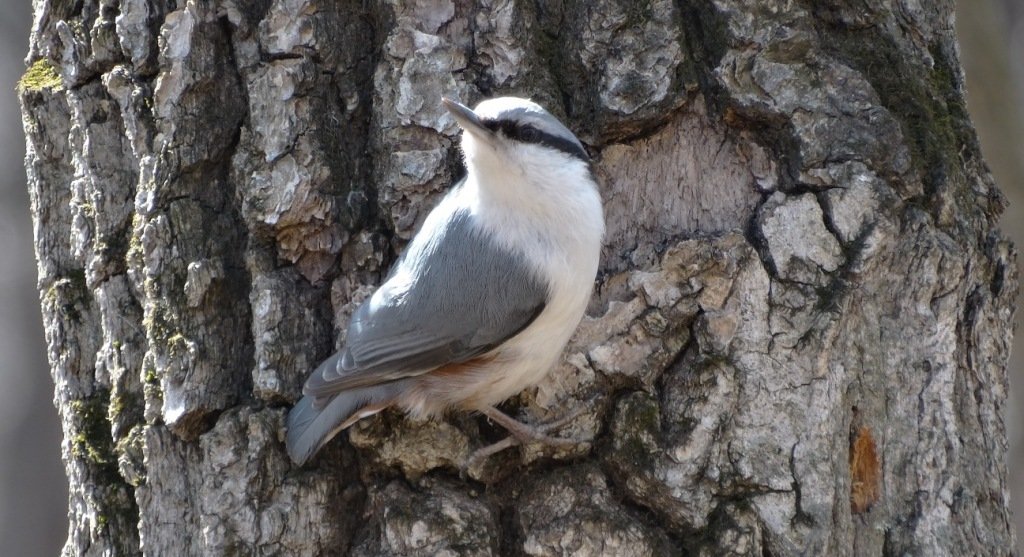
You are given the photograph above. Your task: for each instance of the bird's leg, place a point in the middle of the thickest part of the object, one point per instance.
(484, 452)
(524, 433)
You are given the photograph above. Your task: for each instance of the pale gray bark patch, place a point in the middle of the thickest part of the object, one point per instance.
(438, 517)
(572, 511)
(422, 56)
(636, 58)
(649, 185)
(414, 449)
(801, 246)
(668, 454)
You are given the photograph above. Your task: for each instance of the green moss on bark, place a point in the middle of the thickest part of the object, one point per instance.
(925, 100)
(93, 444)
(92, 441)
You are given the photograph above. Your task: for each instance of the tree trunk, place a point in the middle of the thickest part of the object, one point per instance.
(797, 343)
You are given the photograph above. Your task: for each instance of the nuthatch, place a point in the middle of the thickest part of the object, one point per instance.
(487, 293)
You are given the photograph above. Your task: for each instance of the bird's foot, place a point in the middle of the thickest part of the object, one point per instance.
(522, 434)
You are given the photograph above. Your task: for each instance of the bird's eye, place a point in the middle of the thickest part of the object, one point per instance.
(529, 134)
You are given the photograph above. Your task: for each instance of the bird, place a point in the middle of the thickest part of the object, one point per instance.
(485, 296)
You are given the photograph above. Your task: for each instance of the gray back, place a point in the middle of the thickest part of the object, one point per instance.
(469, 296)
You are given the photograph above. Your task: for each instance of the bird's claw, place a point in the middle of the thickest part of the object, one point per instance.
(522, 434)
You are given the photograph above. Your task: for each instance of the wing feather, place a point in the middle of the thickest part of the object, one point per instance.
(454, 296)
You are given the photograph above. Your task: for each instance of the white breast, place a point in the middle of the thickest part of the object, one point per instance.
(552, 215)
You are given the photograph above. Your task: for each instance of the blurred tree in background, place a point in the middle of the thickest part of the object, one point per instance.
(992, 42)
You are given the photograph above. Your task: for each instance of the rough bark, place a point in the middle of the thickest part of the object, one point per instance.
(797, 344)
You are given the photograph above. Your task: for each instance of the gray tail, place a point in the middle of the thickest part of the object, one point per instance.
(310, 427)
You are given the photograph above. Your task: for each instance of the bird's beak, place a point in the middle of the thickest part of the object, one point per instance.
(467, 119)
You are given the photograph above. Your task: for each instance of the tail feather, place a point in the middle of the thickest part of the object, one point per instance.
(310, 427)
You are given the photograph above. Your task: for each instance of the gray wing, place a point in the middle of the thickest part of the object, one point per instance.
(468, 295)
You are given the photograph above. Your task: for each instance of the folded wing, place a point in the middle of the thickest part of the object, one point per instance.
(452, 298)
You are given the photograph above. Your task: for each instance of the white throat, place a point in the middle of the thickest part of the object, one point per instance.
(544, 205)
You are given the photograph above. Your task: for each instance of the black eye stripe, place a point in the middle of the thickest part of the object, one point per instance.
(529, 134)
